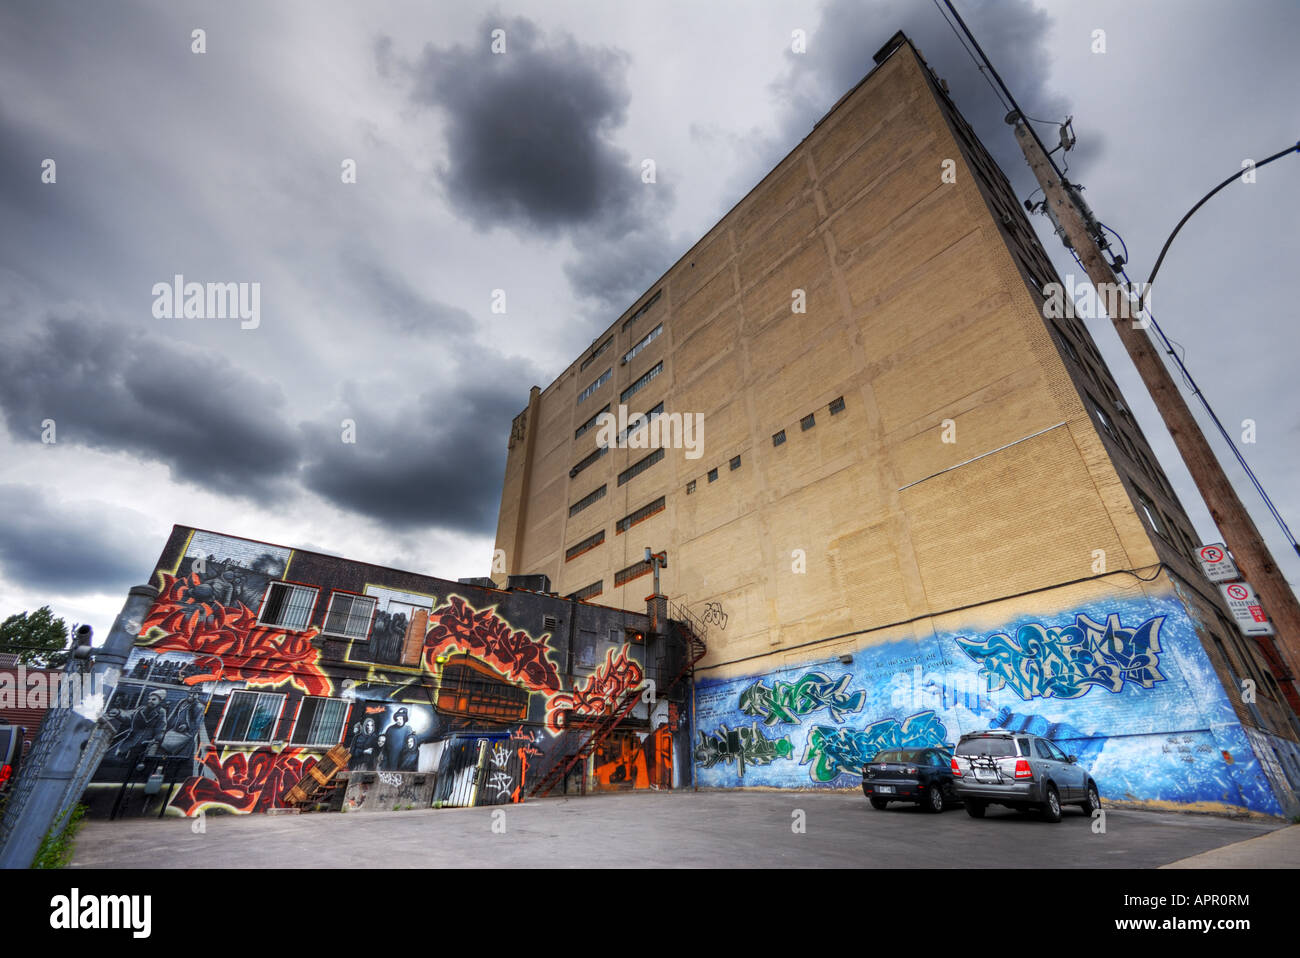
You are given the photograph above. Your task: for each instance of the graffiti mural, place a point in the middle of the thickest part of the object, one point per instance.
(833, 751)
(458, 627)
(743, 746)
(600, 693)
(787, 701)
(1122, 683)
(242, 781)
(1071, 661)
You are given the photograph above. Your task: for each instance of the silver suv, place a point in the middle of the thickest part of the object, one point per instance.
(1020, 771)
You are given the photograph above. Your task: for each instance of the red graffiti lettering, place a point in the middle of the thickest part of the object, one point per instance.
(599, 693)
(243, 781)
(458, 627)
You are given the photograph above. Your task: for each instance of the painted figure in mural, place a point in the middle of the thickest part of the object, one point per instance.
(387, 635)
(395, 740)
(409, 760)
(147, 725)
(184, 724)
(365, 746)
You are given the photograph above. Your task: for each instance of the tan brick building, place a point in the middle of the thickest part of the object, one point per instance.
(893, 432)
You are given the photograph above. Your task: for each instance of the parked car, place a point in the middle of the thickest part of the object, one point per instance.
(1020, 771)
(11, 753)
(919, 775)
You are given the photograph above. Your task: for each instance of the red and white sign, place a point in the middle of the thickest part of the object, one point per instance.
(1246, 609)
(1216, 563)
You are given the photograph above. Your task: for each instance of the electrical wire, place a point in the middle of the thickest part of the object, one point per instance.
(1201, 202)
(971, 54)
(1196, 390)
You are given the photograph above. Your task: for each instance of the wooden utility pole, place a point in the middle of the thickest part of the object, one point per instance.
(1249, 552)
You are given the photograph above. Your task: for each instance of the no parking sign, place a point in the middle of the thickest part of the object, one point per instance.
(1246, 609)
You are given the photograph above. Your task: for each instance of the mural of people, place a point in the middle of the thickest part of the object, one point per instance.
(410, 757)
(396, 736)
(184, 724)
(146, 726)
(365, 745)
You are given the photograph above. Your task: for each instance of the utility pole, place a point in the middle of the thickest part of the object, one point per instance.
(1249, 552)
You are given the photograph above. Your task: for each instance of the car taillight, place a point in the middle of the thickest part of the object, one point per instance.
(910, 770)
(1022, 768)
(5, 772)
(955, 770)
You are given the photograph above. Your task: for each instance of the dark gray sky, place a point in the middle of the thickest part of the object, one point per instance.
(517, 172)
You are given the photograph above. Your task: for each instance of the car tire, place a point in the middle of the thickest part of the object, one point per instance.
(1092, 801)
(934, 801)
(879, 804)
(974, 809)
(1052, 807)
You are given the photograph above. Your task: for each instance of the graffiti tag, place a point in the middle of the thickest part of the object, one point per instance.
(521, 658)
(786, 701)
(742, 746)
(1069, 662)
(833, 751)
(713, 614)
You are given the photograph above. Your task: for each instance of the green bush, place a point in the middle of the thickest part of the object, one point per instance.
(57, 845)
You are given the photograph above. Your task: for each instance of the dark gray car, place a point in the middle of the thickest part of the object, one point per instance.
(1020, 771)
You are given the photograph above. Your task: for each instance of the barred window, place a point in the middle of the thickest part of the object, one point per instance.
(837, 405)
(250, 716)
(604, 378)
(807, 422)
(690, 487)
(778, 438)
(589, 591)
(634, 470)
(640, 515)
(592, 358)
(588, 460)
(645, 341)
(735, 463)
(644, 381)
(594, 496)
(713, 475)
(349, 615)
(288, 606)
(642, 311)
(590, 423)
(320, 722)
(586, 545)
(634, 571)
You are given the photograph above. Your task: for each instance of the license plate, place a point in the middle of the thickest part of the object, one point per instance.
(885, 789)
(986, 775)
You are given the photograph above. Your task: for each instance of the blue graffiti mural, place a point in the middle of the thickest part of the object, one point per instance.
(1069, 662)
(787, 701)
(1072, 740)
(742, 746)
(834, 751)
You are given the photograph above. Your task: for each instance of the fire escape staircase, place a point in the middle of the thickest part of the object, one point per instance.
(683, 624)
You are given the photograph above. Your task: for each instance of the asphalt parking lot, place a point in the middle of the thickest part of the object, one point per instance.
(673, 829)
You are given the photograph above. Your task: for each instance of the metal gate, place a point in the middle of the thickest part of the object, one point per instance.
(479, 770)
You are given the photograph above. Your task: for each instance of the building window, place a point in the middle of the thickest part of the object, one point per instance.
(586, 545)
(645, 341)
(631, 572)
(349, 615)
(604, 378)
(735, 463)
(778, 438)
(644, 381)
(837, 406)
(634, 470)
(642, 311)
(713, 474)
(1152, 514)
(320, 722)
(636, 422)
(587, 460)
(589, 591)
(690, 487)
(590, 423)
(250, 717)
(640, 515)
(1105, 421)
(592, 358)
(586, 500)
(807, 422)
(288, 606)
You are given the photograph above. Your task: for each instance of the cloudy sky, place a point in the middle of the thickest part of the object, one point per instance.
(518, 172)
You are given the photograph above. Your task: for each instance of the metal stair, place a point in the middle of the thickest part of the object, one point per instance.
(681, 623)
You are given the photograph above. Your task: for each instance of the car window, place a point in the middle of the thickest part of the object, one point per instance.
(1024, 745)
(891, 757)
(995, 747)
(1057, 753)
(1043, 749)
(938, 759)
